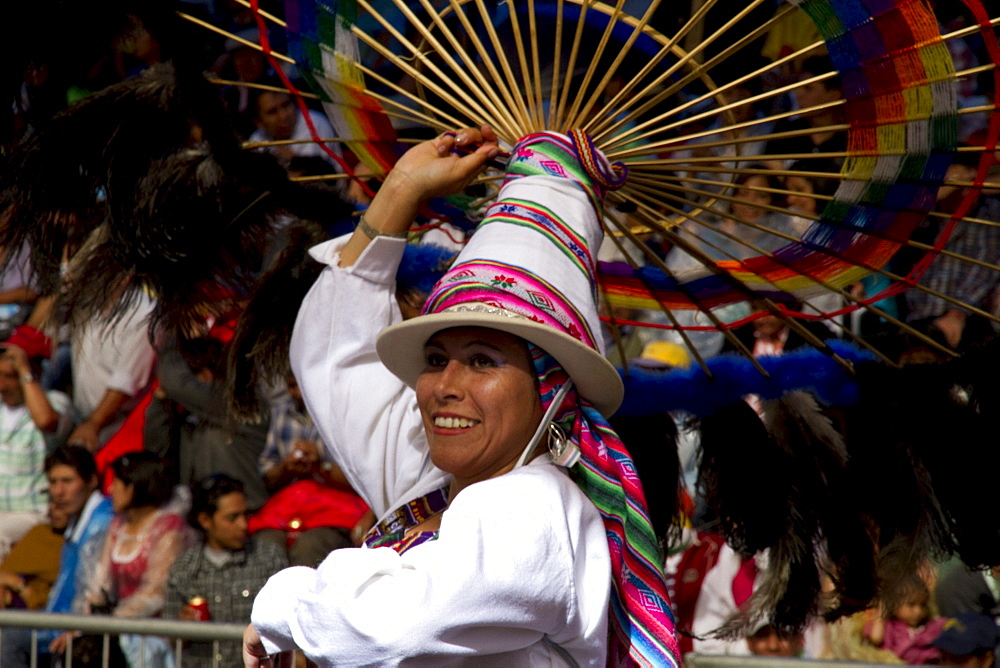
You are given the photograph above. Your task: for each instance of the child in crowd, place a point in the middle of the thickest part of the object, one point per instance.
(970, 640)
(910, 632)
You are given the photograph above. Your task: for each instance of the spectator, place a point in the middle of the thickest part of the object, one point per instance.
(294, 454)
(812, 99)
(208, 440)
(30, 570)
(771, 336)
(32, 422)
(72, 475)
(734, 143)
(961, 591)
(16, 294)
(226, 570)
(145, 538)
(278, 118)
(242, 64)
(766, 641)
(968, 640)
(742, 230)
(112, 371)
(910, 631)
(958, 277)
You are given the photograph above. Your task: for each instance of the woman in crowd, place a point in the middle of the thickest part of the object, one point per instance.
(146, 536)
(487, 550)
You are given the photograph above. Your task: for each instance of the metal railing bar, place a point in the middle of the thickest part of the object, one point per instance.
(99, 624)
(719, 661)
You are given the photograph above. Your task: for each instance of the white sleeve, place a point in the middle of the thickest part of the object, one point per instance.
(716, 606)
(365, 415)
(136, 355)
(518, 558)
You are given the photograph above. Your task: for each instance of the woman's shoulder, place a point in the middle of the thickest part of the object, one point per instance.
(168, 521)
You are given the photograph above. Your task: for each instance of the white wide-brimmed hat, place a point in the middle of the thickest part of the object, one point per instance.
(529, 270)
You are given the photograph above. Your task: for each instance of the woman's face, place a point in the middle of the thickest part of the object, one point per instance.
(747, 208)
(479, 401)
(121, 495)
(800, 200)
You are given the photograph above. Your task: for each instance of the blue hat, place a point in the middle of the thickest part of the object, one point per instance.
(968, 634)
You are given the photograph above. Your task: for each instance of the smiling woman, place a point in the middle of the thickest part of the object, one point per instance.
(487, 549)
(479, 401)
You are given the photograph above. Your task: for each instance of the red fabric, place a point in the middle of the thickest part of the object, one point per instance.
(312, 503)
(128, 576)
(129, 438)
(695, 563)
(33, 342)
(743, 582)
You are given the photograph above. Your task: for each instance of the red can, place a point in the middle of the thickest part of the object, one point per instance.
(200, 605)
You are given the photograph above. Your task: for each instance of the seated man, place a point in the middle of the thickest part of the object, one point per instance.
(32, 422)
(112, 372)
(958, 276)
(31, 568)
(225, 572)
(296, 468)
(73, 489)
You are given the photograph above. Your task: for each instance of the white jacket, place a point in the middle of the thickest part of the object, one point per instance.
(520, 573)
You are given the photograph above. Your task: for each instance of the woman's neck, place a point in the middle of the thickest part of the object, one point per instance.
(136, 517)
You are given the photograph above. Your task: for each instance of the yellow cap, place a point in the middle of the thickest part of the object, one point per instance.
(665, 353)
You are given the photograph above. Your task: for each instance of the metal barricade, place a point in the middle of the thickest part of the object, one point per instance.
(714, 661)
(177, 631)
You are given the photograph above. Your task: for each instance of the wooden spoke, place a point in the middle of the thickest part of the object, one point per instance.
(697, 71)
(595, 59)
(520, 108)
(270, 17)
(839, 256)
(871, 307)
(257, 86)
(430, 121)
(499, 83)
(621, 101)
(319, 177)
(659, 264)
(756, 297)
(630, 135)
(229, 35)
(527, 72)
(559, 121)
(498, 114)
(666, 310)
(469, 105)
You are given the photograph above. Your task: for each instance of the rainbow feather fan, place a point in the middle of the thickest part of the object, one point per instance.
(479, 62)
(321, 41)
(901, 111)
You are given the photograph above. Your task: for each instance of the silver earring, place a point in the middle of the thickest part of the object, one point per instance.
(563, 451)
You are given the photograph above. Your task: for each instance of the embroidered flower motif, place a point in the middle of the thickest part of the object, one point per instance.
(502, 281)
(553, 167)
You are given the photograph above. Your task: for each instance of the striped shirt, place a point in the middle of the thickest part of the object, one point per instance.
(23, 448)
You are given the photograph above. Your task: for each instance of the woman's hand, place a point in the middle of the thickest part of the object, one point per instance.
(432, 169)
(427, 170)
(254, 654)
